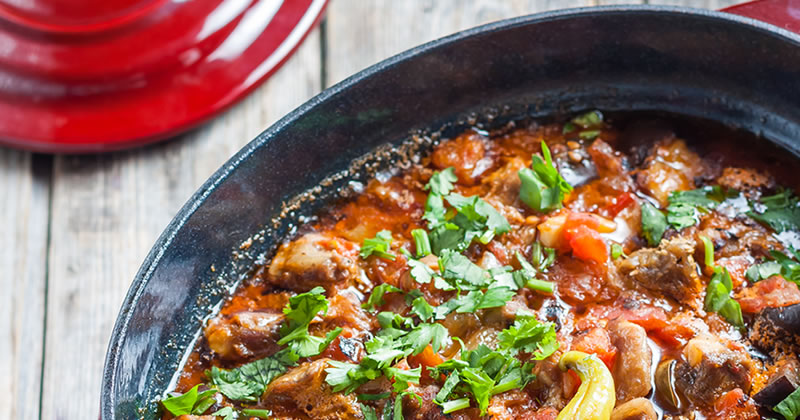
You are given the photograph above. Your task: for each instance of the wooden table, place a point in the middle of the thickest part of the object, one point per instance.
(74, 229)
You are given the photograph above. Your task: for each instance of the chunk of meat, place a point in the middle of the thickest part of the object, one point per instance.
(503, 184)
(303, 390)
(313, 260)
(777, 329)
(740, 237)
(774, 292)
(551, 386)
(670, 269)
(244, 335)
(426, 409)
(512, 405)
(466, 154)
(735, 404)
(670, 167)
(711, 368)
(608, 161)
(634, 359)
(748, 181)
(635, 409)
(345, 311)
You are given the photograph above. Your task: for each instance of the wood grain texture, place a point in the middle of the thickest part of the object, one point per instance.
(23, 241)
(109, 209)
(361, 33)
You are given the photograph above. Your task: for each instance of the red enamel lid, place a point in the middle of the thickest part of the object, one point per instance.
(100, 75)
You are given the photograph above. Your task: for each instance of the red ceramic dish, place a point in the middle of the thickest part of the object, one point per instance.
(107, 75)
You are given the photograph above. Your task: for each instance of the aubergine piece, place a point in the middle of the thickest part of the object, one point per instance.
(777, 329)
(781, 383)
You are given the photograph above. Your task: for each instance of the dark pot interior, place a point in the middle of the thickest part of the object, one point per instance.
(696, 63)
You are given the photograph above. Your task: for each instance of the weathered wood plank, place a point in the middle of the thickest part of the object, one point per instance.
(23, 241)
(108, 211)
(361, 33)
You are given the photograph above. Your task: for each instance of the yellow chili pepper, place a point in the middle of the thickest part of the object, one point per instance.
(595, 398)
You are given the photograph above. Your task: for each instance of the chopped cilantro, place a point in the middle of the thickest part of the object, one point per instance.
(525, 276)
(421, 308)
(589, 134)
(531, 336)
(685, 207)
(376, 297)
(462, 273)
(483, 372)
(542, 257)
(588, 119)
(543, 188)
(654, 224)
(719, 289)
(189, 402)
(379, 245)
(227, 413)
(421, 242)
(790, 268)
(247, 382)
(762, 271)
(781, 211)
(420, 271)
(617, 251)
(441, 183)
(368, 412)
(789, 408)
(257, 412)
(300, 310)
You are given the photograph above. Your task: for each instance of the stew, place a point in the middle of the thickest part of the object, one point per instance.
(588, 269)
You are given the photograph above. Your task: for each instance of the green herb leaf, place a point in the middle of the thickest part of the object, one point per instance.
(789, 408)
(654, 224)
(300, 310)
(542, 257)
(589, 134)
(762, 271)
(790, 269)
(455, 405)
(227, 413)
(421, 308)
(368, 412)
(247, 382)
(719, 289)
(529, 335)
(187, 402)
(403, 378)
(420, 271)
(257, 412)
(421, 242)
(617, 251)
(441, 183)
(781, 211)
(685, 207)
(589, 119)
(376, 297)
(379, 245)
(542, 187)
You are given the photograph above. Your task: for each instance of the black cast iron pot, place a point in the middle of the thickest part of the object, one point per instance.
(733, 70)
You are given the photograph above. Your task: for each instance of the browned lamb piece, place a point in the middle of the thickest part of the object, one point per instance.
(303, 389)
(313, 260)
(710, 368)
(244, 335)
(634, 359)
(670, 269)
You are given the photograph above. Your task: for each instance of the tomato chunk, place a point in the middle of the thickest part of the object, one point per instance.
(774, 292)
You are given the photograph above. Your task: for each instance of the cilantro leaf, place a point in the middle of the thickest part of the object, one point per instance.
(420, 271)
(480, 385)
(247, 382)
(421, 308)
(762, 271)
(188, 402)
(542, 187)
(459, 271)
(424, 334)
(494, 297)
(588, 119)
(542, 257)
(719, 289)
(789, 408)
(781, 211)
(368, 412)
(685, 207)
(617, 251)
(531, 336)
(300, 310)
(449, 385)
(441, 183)
(402, 377)
(227, 413)
(379, 245)
(475, 219)
(421, 242)
(790, 269)
(376, 297)
(654, 224)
